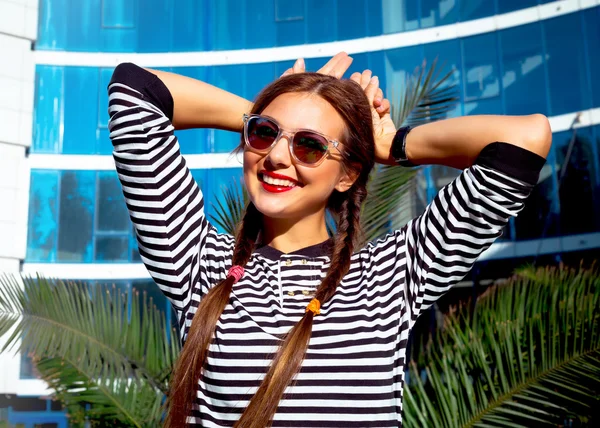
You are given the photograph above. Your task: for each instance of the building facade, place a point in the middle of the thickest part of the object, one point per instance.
(506, 57)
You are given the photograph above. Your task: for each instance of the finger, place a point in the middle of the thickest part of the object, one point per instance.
(340, 68)
(384, 108)
(371, 88)
(365, 79)
(299, 66)
(378, 98)
(355, 77)
(286, 72)
(330, 65)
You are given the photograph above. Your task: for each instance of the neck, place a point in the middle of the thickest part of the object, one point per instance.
(288, 235)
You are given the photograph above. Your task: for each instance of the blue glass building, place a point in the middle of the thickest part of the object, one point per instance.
(507, 57)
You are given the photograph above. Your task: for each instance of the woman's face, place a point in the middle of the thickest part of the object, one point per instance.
(310, 186)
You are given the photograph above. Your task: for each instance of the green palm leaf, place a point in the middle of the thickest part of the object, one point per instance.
(111, 350)
(230, 208)
(106, 400)
(528, 355)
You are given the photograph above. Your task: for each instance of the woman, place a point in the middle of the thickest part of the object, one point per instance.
(283, 325)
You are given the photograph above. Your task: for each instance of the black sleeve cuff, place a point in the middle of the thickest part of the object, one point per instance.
(148, 84)
(512, 160)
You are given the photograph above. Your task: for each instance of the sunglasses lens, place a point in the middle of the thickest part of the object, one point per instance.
(308, 147)
(261, 133)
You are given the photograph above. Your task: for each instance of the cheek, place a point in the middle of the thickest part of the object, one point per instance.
(325, 176)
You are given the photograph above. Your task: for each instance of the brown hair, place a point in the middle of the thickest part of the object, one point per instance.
(352, 105)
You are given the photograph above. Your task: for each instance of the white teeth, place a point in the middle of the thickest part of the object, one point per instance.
(277, 181)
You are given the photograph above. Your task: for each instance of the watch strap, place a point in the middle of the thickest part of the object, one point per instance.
(399, 147)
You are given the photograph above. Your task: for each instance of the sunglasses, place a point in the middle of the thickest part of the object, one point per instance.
(308, 148)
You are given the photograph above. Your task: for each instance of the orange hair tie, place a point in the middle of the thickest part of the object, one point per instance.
(314, 306)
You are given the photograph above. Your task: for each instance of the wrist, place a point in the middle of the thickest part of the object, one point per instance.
(399, 150)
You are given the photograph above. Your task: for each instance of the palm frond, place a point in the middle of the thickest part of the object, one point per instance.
(105, 400)
(425, 97)
(529, 354)
(228, 214)
(56, 319)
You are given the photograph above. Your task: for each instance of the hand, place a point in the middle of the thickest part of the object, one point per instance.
(384, 129)
(335, 67)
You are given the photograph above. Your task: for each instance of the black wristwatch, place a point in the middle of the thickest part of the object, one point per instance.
(399, 147)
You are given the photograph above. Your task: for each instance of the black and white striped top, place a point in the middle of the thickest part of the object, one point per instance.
(353, 373)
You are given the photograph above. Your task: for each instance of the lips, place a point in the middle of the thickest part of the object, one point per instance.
(277, 183)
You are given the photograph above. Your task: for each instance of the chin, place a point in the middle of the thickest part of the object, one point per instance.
(272, 209)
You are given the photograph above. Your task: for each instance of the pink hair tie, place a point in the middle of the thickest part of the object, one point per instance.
(236, 272)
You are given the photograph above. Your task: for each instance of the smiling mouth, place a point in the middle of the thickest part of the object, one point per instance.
(277, 183)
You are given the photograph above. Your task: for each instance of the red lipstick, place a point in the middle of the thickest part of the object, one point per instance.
(273, 188)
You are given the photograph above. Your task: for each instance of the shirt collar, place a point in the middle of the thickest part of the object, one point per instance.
(317, 250)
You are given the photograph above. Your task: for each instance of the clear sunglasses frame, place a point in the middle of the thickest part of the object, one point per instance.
(290, 137)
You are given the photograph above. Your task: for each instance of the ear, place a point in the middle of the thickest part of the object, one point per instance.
(347, 178)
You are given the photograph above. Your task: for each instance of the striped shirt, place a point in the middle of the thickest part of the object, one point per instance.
(354, 369)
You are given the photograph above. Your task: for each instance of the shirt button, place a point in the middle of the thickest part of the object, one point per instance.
(290, 293)
(303, 261)
(305, 292)
(288, 262)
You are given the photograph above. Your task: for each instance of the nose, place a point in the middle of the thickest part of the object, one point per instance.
(279, 156)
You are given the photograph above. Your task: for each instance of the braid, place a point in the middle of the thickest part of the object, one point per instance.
(288, 359)
(345, 239)
(195, 351)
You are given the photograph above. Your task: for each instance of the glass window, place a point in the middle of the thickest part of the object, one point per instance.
(289, 10)
(43, 215)
(578, 193)
(481, 67)
(257, 77)
(448, 59)
(112, 211)
(52, 24)
(400, 64)
(438, 12)
(193, 141)
(76, 214)
(399, 15)
(505, 6)
(289, 32)
(230, 78)
(351, 19)
(83, 23)
(213, 184)
(481, 75)
(228, 22)
(474, 9)
(260, 24)
(320, 27)
(523, 77)
(80, 115)
(592, 40)
(155, 26)
(49, 100)
(112, 248)
(192, 22)
(118, 13)
(569, 90)
(103, 81)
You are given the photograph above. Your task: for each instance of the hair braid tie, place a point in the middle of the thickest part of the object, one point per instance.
(236, 272)
(314, 306)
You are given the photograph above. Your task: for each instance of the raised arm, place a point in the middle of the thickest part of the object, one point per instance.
(200, 105)
(165, 203)
(501, 157)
